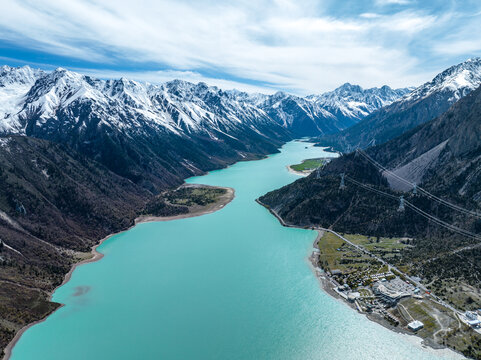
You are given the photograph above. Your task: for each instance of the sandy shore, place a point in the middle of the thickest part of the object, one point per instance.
(300, 173)
(223, 201)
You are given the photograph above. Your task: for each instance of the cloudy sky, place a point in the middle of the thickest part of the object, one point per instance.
(299, 46)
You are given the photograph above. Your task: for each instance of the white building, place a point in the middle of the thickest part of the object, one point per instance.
(471, 315)
(415, 325)
(353, 296)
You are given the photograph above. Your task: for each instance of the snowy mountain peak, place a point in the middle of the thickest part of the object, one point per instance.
(180, 88)
(69, 100)
(15, 82)
(18, 75)
(459, 80)
(421, 105)
(349, 88)
(353, 102)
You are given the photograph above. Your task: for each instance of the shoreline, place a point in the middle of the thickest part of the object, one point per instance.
(96, 256)
(299, 173)
(327, 286)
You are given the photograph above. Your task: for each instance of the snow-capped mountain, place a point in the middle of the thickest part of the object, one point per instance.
(355, 103)
(162, 133)
(33, 99)
(301, 116)
(14, 84)
(177, 106)
(424, 103)
(456, 81)
(155, 135)
(327, 113)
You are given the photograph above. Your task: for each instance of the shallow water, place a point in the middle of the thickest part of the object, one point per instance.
(234, 284)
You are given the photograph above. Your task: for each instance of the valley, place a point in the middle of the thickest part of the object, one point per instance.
(83, 158)
(235, 271)
(240, 180)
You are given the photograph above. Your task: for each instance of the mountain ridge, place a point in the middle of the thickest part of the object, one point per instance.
(146, 97)
(424, 103)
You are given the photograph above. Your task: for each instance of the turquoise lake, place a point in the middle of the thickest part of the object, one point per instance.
(234, 284)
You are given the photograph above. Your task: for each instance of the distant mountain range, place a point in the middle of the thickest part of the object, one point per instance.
(421, 105)
(34, 98)
(157, 135)
(327, 113)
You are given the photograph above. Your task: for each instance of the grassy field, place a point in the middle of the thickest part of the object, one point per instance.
(335, 254)
(457, 292)
(328, 246)
(190, 196)
(309, 164)
(186, 199)
(440, 325)
(413, 309)
(387, 248)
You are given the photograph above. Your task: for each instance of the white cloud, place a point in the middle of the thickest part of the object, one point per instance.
(455, 47)
(392, 2)
(280, 43)
(407, 22)
(463, 40)
(370, 15)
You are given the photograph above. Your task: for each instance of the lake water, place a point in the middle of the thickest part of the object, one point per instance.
(234, 284)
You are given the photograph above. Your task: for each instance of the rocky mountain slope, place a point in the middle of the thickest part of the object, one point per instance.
(421, 105)
(443, 156)
(444, 153)
(352, 103)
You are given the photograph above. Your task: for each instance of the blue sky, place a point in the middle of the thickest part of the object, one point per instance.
(301, 46)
